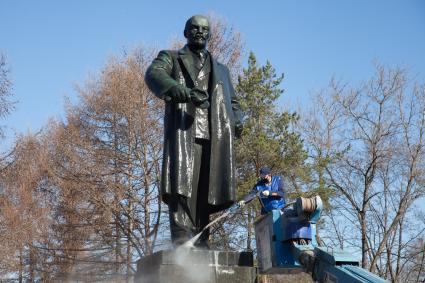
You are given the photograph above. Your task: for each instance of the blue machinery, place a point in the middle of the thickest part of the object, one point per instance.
(286, 243)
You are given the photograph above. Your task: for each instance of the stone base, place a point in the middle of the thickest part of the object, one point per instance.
(286, 278)
(196, 266)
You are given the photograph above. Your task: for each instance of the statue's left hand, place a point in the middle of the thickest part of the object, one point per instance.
(179, 94)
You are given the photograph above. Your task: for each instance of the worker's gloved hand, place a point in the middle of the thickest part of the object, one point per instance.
(265, 193)
(199, 98)
(178, 94)
(241, 203)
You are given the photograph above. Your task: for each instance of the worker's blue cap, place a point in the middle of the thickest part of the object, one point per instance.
(265, 171)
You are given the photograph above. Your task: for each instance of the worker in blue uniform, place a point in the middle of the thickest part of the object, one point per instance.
(270, 190)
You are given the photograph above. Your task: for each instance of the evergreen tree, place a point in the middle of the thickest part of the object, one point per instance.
(268, 138)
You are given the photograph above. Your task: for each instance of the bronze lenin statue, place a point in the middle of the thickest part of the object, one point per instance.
(202, 116)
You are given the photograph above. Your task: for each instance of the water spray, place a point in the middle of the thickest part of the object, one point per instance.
(230, 210)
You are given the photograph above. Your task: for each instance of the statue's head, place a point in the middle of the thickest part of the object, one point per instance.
(197, 32)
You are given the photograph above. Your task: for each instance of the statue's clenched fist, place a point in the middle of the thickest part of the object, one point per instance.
(178, 94)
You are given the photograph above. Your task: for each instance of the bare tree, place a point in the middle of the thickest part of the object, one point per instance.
(6, 105)
(370, 143)
(25, 207)
(109, 151)
(226, 44)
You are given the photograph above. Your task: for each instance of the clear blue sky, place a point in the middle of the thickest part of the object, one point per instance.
(51, 45)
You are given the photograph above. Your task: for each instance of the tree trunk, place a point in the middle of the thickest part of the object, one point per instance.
(117, 246)
(129, 247)
(364, 238)
(32, 261)
(21, 266)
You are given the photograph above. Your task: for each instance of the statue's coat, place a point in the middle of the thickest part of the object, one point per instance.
(175, 67)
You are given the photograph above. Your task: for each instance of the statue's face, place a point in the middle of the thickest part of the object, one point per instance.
(197, 32)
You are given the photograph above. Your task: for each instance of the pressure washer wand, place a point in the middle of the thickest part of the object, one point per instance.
(235, 207)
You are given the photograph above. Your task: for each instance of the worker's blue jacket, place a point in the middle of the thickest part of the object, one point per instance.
(276, 199)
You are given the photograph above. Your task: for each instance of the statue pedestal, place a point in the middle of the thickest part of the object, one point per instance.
(196, 266)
